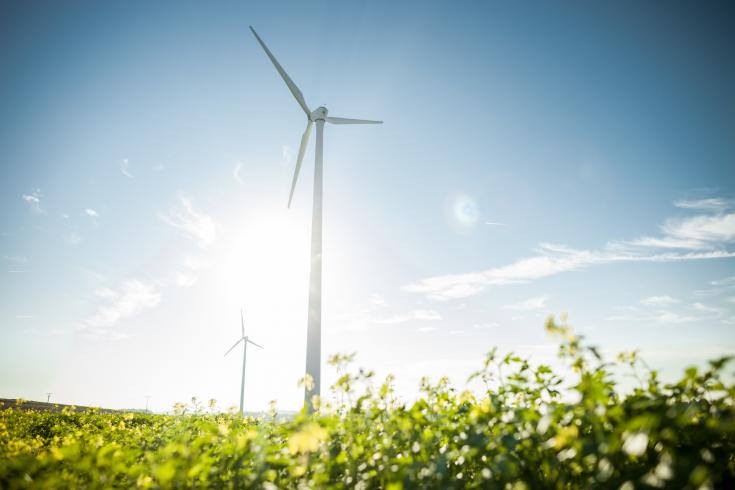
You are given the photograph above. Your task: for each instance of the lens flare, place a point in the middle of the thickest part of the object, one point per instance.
(465, 211)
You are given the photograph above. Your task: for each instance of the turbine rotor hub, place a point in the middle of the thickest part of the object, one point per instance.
(319, 114)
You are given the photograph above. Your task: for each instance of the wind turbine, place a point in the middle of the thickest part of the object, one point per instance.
(245, 341)
(318, 117)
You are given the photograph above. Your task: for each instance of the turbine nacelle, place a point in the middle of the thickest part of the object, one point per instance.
(319, 114)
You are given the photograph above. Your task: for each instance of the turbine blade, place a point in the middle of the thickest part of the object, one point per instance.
(344, 120)
(291, 86)
(242, 323)
(243, 338)
(256, 345)
(302, 150)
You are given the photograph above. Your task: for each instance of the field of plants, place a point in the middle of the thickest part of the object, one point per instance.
(531, 428)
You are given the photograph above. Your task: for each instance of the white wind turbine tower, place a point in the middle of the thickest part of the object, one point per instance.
(318, 116)
(245, 341)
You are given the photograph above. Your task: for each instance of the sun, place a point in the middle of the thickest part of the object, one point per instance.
(264, 261)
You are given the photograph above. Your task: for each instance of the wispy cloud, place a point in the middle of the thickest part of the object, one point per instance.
(665, 309)
(706, 309)
(659, 301)
(91, 212)
(191, 223)
(659, 316)
(133, 297)
(494, 223)
(709, 231)
(34, 201)
(536, 303)
(236, 173)
(705, 236)
(416, 315)
(185, 280)
(525, 270)
(702, 232)
(125, 168)
(190, 273)
(711, 204)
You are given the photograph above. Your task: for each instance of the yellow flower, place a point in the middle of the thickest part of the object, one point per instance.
(307, 439)
(144, 481)
(307, 382)
(565, 436)
(466, 396)
(56, 453)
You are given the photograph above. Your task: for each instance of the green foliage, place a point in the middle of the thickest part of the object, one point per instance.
(530, 428)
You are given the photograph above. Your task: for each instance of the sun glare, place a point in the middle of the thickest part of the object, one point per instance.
(260, 262)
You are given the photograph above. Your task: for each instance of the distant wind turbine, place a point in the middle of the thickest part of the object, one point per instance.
(318, 116)
(245, 341)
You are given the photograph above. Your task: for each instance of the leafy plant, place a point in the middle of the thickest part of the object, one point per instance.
(529, 428)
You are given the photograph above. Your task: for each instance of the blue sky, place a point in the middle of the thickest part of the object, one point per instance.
(534, 159)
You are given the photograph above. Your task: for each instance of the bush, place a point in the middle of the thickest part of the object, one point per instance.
(526, 430)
